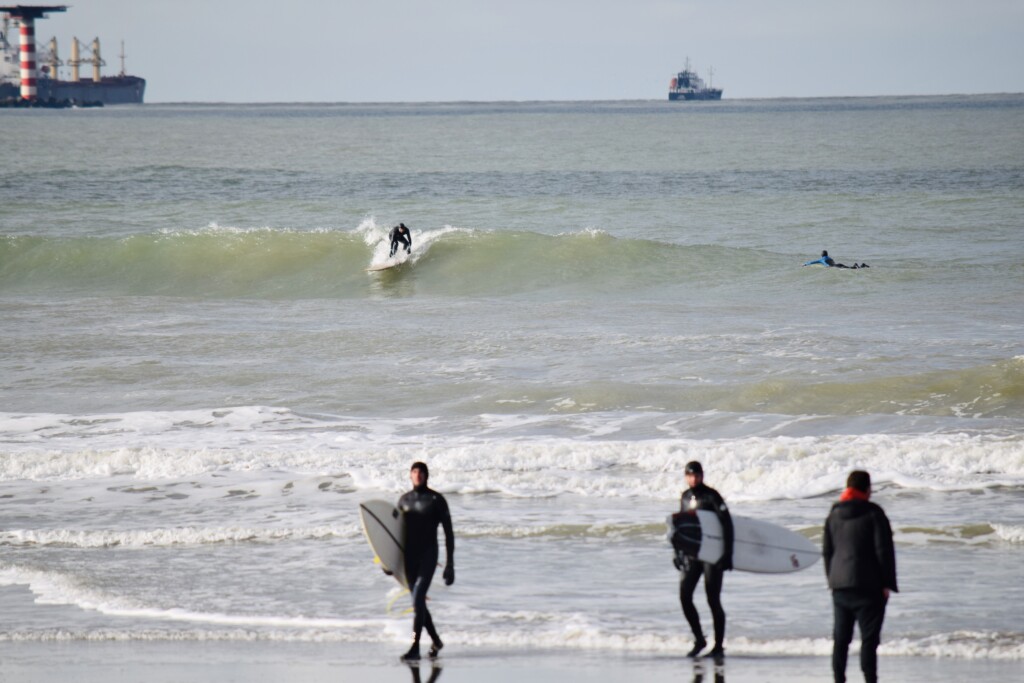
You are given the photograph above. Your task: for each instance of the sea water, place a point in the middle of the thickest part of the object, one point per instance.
(199, 381)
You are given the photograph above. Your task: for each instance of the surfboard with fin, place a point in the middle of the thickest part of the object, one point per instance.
(384, 527)
(760, 547)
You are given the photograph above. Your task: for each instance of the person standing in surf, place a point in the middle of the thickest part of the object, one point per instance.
(700, 496)
(424, 510)
(400, 235)
(860, 564)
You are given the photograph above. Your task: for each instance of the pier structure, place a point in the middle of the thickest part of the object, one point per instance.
(26, 16)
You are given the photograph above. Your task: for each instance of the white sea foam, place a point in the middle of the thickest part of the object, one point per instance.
(1012, 533)
(169, 537)
(959, 645)
(54, 588)
(374, 453)
(376, 236)
(199, 536)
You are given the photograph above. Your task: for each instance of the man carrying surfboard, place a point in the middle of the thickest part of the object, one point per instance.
(700, 496)
(424, 510)
(400, 235)
(860, 563)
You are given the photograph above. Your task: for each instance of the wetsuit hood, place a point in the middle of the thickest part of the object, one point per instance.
(422, 467)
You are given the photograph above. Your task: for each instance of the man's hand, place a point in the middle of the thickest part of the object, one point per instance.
(449, 574)
(386, 570)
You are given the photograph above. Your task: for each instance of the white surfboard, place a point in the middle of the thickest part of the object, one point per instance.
(384, 527)
(391, 262)
(760, 547)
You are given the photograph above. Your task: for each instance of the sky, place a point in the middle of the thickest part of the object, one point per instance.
(522, 50)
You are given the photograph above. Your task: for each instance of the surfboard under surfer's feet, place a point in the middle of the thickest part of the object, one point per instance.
(413, 655)
(698, 645)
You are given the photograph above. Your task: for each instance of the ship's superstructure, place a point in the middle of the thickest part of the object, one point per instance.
(687, 85)
(30, 75)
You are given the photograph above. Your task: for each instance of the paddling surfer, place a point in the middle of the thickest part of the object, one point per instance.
(829, 262)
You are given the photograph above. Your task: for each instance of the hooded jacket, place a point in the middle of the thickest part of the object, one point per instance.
(858, 548)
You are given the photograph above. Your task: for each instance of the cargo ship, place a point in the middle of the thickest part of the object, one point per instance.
(687, 85)
(30, 73)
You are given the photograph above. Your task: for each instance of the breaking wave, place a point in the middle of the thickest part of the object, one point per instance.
(279, 263)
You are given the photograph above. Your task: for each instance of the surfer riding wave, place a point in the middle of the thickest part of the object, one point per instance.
(400, 235)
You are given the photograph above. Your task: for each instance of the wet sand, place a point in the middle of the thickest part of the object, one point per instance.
(220, 662)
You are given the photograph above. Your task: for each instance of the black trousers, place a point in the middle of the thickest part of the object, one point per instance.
(867, 612)
(713, 587)
(420, 572)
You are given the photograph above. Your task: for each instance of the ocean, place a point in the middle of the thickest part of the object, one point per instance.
(199, 381)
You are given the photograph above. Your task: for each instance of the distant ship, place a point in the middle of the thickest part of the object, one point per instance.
(49, 89)
(687, 85)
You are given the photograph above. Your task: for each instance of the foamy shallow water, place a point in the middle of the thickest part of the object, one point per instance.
(269, 540)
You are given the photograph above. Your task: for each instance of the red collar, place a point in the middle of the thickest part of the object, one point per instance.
(852, 494)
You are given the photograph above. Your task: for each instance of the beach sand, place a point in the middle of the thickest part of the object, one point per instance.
(220, 662)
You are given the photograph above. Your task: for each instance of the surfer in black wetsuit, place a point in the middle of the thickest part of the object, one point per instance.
(702, 497)
(829, 262)
(400, 235)
(424, 510)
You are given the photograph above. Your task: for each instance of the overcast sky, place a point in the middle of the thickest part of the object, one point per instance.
(485, 50)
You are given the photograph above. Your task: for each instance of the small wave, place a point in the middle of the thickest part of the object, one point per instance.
(564, 531)
(168, 537)
(269, 262)
(971, 534)
(369, 634)
(54, 588)
(362, 455)
(1009, 532)
(519, 629)
(987, 391)
(959, 645)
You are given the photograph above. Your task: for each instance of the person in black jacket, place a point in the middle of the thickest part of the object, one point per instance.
(702, 497)
(424, 510)
(860, 563)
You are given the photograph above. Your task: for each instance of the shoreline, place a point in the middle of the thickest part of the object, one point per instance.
(159, 662)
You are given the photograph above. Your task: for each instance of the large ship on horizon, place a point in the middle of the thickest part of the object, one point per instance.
(49, 88)
(687, 85)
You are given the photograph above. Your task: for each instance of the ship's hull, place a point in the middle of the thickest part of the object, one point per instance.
(108, 90)
(708, 94)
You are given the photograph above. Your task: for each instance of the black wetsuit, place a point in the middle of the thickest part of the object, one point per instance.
(424, 510)
(703, 497)
(400, 235)
(829, 262)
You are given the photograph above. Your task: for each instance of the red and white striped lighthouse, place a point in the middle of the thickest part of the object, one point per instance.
(26, 16)
(28, 58)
